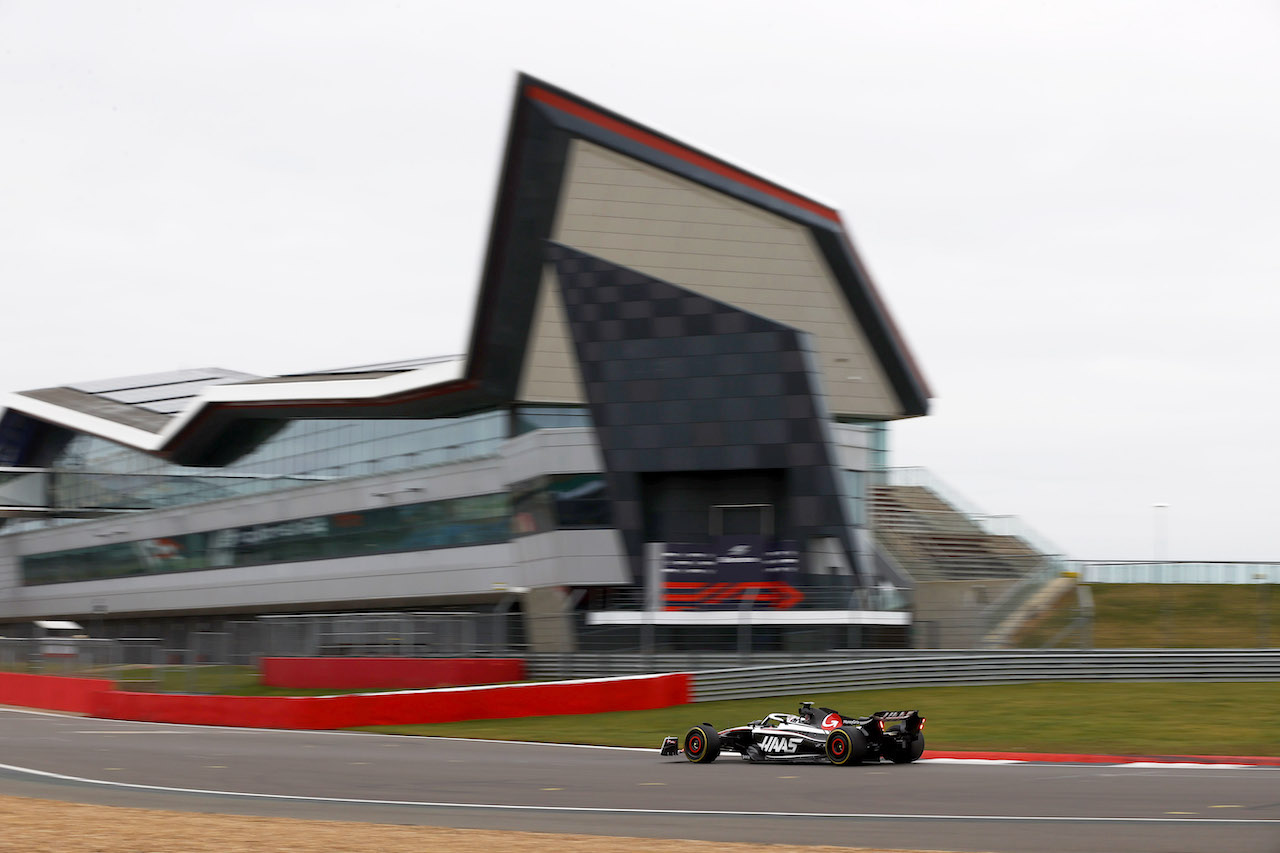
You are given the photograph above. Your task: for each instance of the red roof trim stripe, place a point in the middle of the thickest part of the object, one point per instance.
(666, 146)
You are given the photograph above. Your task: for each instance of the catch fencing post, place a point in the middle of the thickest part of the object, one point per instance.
(1084, 609)
(1264, 610)
(653, 597)
(746, 606)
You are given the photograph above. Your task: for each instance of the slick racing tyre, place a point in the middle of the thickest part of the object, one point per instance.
(846, 746)
(899, 754)
(702, 744)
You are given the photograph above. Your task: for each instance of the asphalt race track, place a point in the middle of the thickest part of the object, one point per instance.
(540, 787)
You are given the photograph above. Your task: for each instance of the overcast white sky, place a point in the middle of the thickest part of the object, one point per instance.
(1072, 208)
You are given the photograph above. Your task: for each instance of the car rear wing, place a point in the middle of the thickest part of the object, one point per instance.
(911, 721)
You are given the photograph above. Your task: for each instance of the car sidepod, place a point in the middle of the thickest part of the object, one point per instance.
(780, 743)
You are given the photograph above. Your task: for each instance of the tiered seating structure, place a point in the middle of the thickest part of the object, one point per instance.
(934, 541)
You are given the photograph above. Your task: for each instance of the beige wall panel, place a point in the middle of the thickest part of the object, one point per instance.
(550, 373)
(737, 253)
(641, 217)
(755, 235)
(649, 210)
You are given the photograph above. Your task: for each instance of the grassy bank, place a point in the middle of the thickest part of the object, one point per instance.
(1158, 616)
(1236, 718)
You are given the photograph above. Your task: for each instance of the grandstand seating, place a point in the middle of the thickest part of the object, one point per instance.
(933, 540)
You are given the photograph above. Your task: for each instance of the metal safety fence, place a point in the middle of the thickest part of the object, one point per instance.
(227, 659)
(147, 665)
(1180, 572)
(604, 632)
(559, 666)
(985, 668)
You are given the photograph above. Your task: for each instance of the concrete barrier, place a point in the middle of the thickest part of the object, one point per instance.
(52, 692)
(372, 673)
(401, 708)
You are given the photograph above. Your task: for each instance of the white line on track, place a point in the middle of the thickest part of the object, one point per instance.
(1185, 765)
(665, 812)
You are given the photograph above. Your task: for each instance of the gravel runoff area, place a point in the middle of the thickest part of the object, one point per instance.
(29, 825)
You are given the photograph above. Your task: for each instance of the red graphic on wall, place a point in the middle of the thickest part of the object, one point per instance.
(758, 595)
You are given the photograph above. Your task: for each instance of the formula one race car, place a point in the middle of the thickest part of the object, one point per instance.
(813, 734)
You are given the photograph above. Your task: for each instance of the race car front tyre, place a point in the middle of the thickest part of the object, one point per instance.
(702, 744)
(846, 746)
(900, 754)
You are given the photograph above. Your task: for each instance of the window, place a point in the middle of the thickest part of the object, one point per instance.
(855, 497)
(477, 520)
(560, 502)
(530, 418)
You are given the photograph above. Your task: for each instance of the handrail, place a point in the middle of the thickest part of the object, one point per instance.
(1016, 595)
(998, 525)
(1175, 571)
(777, 673)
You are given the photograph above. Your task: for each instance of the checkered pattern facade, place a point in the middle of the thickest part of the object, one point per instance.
(678, 382)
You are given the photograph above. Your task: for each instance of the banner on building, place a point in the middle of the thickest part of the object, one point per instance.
(731, 573)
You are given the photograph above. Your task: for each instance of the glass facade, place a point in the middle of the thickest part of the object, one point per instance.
(877, 433)
(855, 497)
(94, 473)
(562, 501)
(530, 418)
(879, 444)
(477, 520)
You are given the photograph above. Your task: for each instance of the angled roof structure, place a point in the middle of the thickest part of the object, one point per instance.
(580, 175)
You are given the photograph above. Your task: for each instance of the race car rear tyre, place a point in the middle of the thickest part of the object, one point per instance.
(904, 754)
(702, 744)
(846, 746)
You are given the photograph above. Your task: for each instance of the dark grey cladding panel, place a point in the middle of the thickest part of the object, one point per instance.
(17, 432)
(100, 407)
(730, 386)
(678, 382)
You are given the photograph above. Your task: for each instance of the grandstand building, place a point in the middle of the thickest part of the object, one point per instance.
(671, 412)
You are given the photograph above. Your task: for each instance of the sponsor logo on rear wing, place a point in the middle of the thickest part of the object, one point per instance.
(912, 722)
(895, 715)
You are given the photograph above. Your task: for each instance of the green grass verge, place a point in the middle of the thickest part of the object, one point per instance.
(1233, 718)
(1156, 616)
(221, 680)
(209, 679)
(204, 679)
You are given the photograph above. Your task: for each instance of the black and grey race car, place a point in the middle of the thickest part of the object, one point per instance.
(810, 734)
